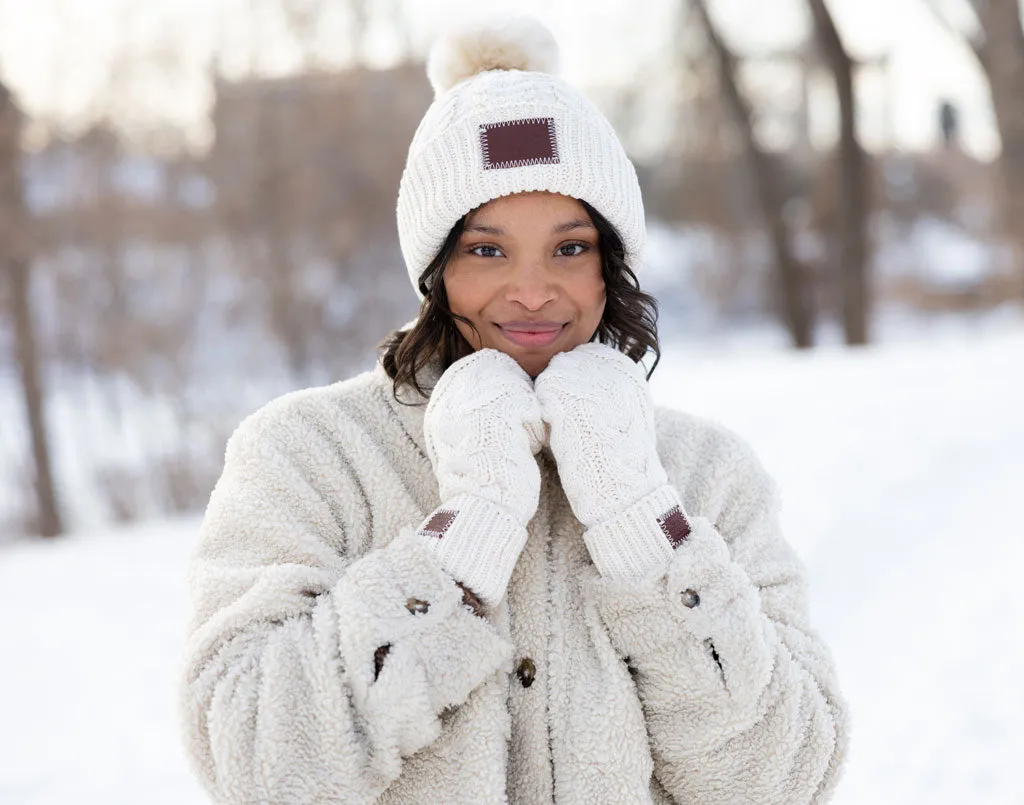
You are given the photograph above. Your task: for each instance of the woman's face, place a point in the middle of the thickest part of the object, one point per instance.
(527, 273)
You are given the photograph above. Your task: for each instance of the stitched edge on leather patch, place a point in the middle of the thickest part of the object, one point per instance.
(516, 143)
(437, 525)
(675, 526)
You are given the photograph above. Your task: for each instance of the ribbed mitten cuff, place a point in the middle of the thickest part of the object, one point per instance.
(641, 538)
(477, 542)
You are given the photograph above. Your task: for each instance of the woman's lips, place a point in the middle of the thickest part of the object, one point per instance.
(531, 335)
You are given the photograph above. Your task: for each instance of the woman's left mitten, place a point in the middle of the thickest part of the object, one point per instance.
(602, 434)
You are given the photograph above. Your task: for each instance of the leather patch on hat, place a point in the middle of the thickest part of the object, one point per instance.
(675, 526)
(516, 143)
(437, 525)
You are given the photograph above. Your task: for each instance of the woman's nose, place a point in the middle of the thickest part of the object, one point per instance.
(530, 284)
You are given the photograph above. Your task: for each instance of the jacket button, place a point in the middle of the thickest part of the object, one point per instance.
(416, 606)
(526, 672)
(690, 598)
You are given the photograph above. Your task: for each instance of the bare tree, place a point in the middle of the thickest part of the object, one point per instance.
(855, 292)
(796, 297)
(998, 45)
(15, 263)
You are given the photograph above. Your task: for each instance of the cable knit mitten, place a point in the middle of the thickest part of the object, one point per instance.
(601, 414)
(483, 428)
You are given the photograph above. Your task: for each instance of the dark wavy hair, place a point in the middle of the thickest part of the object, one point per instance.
(629, 322)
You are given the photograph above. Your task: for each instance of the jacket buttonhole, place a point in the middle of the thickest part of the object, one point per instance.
(714, 655)
(378, 659)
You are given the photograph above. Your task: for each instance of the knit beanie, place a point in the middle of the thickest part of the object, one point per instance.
(501, 123)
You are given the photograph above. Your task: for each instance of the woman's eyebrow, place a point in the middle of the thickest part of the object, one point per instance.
(579, 223)
(487, 230)
(568, 226)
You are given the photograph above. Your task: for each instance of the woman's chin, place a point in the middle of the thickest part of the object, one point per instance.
(532, 361)
(534, 364)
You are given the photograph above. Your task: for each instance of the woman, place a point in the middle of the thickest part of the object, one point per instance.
(489, 570)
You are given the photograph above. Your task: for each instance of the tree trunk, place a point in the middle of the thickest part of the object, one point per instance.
(15, 263)
(1001, 55)
(854, 285)
(797, 304)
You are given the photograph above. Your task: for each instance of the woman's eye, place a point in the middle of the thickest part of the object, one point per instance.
(572, 249)
(485, 251)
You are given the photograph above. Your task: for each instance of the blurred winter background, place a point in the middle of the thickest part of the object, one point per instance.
(197, 214)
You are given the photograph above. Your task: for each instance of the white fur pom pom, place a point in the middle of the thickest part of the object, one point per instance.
(508, 43)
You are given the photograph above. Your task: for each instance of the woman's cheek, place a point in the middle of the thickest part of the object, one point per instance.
(469, 334)
(597, 306)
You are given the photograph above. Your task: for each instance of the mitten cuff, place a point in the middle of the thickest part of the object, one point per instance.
(640, 539)
(477, 542)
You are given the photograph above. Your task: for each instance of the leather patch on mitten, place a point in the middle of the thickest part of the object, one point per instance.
(437, 525)
(675, 525)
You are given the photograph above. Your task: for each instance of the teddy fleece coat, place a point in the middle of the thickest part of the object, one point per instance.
(331, 659)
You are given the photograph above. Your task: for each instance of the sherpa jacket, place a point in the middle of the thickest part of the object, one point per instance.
(574, 689)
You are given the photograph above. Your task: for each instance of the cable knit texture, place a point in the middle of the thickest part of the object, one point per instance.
(330, 658)
(483, 427)
(603, 437)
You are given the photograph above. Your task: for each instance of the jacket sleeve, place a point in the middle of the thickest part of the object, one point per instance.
(313, 665)
(739, 694)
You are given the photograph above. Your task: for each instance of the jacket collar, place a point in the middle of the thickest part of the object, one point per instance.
(410, 405)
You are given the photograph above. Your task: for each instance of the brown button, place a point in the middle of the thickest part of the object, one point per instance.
(526, 672)
(416, 606)
(690, 598)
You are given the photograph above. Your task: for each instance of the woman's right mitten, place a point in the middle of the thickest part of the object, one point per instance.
(483, 428)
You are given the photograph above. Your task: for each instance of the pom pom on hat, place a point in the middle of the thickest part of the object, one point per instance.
(508, 43)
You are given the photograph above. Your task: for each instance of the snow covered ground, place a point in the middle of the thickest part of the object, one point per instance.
(902, 470)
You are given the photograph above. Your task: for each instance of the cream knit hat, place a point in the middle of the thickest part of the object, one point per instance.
(502, 123)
